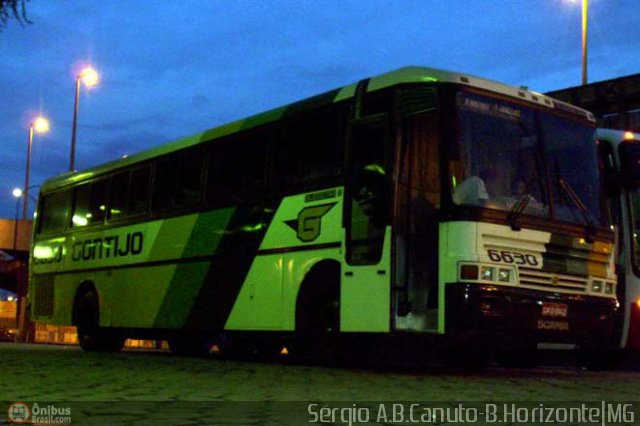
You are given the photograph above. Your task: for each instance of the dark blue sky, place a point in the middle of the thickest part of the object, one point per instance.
(172, 68)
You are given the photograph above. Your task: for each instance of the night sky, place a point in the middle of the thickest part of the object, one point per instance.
(172, 68)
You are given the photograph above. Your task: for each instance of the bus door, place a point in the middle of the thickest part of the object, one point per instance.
(365, 286)
(417, 198)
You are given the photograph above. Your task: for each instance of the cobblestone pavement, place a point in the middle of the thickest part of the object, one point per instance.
(129, 387)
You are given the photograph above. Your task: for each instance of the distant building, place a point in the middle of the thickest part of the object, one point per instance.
(15, 235)
(616, 102)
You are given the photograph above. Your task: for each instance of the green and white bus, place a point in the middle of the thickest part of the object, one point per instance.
(620, 152)
(411, 206)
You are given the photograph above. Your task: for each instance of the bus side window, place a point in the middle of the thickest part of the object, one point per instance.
(311, 147)
(129, 194)
(118, 195)
(138, 200)
(164, 185)
(54, 212)
(189, 178)
(236, 167)
(90, 203)
(177, 180)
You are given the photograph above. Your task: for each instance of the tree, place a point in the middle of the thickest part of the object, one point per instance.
(13, 9)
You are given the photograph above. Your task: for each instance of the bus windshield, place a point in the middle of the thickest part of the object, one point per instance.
(511, 154)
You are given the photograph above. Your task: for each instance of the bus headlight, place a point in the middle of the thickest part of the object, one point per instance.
(487, 273)
(596, 286)
(504, 275)
(609, 288)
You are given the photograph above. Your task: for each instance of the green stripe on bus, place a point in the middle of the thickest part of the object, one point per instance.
(205, 236)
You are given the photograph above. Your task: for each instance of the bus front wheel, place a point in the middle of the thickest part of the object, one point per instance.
(318, 312)
(92, 337)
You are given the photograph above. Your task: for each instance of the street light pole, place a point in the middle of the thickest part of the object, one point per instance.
(25, 206)
(89, 77)
(40, 125)
(15, 226)
(22, 284)
(72, 160)
(585, 15)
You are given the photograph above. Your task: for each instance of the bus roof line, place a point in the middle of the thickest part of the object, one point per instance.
(405, 75)
(415, 74)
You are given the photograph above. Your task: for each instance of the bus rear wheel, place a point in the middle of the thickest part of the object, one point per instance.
(92, 337)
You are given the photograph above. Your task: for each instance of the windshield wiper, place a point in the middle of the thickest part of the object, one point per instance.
(566, 187)
(517, 210)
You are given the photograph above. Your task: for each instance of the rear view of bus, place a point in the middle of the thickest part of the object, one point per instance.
(620, 153)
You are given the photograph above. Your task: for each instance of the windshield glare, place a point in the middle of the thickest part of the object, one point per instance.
(506, 149)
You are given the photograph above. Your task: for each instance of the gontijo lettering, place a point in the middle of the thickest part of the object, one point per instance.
(107, 247)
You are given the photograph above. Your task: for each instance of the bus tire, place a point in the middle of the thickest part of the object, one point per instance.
(318, 311)
(92, 337)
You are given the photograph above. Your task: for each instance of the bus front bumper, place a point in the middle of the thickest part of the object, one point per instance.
(512, 316)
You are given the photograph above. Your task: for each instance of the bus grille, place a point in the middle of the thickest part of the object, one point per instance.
(44, 296)
(535, 278)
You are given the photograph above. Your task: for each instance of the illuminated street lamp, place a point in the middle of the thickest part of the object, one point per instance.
(90, 78)
(38, 125)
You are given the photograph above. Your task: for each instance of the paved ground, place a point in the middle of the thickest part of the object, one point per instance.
(156, 382)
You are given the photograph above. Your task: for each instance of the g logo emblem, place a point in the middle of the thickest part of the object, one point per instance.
(309, 221)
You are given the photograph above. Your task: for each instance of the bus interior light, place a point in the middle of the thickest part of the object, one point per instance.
(79, 220)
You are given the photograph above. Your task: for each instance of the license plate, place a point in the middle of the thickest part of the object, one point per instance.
(555, 310)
